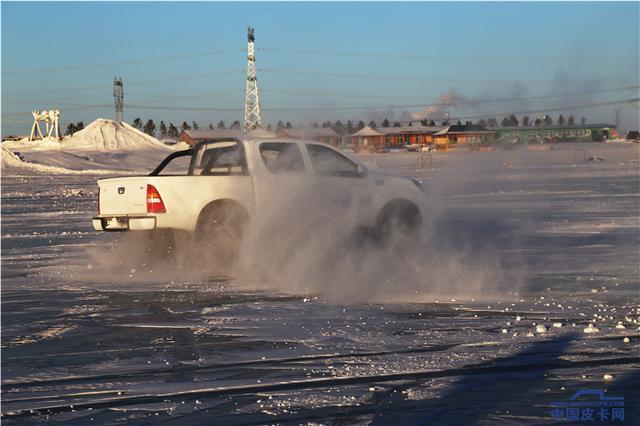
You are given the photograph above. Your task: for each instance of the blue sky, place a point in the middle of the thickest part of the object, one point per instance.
(319, 61)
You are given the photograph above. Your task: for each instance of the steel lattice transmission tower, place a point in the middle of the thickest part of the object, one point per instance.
(252, 102)
(118, 97)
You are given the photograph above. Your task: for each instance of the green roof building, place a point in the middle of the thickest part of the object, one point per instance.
(555, 134)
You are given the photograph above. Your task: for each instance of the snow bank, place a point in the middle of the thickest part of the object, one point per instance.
(13, 165)
(109, 135)
(24, 144)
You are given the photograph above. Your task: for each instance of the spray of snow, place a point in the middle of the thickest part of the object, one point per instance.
(303, 244)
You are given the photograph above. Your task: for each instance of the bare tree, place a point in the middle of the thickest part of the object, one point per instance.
(150, 128)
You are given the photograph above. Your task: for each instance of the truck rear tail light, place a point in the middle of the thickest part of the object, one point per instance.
(98, 201)
(154, 201)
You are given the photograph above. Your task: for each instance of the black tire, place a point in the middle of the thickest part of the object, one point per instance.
(219, 233)
(398, 219)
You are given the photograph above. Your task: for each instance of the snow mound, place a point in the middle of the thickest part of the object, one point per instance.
(180, 146)
(13, 165)
(9, 159)
(109, 135)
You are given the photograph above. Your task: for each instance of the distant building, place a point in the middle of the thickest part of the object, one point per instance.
(376, 140)
(194, 136)
(554, 134)
(469, 136)
(397, 137)
(318, 134)
(367, 139)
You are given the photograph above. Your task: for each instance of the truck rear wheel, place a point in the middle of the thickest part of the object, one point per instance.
(219, 234)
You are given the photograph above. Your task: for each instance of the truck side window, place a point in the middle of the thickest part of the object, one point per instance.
(327, 162)
(220, 158)
(282, 157)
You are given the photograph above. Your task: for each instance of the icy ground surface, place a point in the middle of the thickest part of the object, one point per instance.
(208, 352)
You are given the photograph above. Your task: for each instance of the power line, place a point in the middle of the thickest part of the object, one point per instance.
(159, 107)
(376, 55)
(69, 89)
(209, 95)
(558, 109)
(132, 83)
(449, 105)
(133, 62)
(204, 96)
(410, 78)
(283, 109)
(73, 107)
(445, 58)
(453, 103)
(186, 77)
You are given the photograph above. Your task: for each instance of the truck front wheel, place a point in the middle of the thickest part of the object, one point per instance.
(400, 218)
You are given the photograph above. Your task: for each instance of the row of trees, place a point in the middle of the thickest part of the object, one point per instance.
(544, 121)
(74, 127)
(171, 131)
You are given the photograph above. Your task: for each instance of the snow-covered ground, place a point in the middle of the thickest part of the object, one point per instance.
(560, 230)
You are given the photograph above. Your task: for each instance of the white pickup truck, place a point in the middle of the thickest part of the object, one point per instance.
(231, 181)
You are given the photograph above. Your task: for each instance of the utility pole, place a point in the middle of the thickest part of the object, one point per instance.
(252, 117)
(617, 115)
(118, 97)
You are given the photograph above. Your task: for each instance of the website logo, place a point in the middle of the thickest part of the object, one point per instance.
(589, 405)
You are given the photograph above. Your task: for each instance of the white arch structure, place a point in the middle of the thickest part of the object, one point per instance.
(51, 120)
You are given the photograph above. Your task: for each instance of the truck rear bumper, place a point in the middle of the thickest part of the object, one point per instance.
(123, 223)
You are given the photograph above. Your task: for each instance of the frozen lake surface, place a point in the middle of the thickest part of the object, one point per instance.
(82, 347)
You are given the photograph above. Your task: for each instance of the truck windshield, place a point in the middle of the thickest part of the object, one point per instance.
(219, 158)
